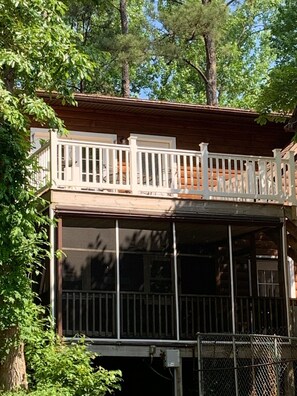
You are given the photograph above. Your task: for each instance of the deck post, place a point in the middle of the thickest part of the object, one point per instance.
(118, 301)
(176, 295)
(52, 263)
(133, 164)
(278, 165)
(59, 305)
(199, 357)
(292, 193)
(233, 308)
(178, 383)
(286, 276)
(53, 157)
(204, 164)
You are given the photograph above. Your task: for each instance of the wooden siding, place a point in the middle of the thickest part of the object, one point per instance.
(234, 132)
(227, 136)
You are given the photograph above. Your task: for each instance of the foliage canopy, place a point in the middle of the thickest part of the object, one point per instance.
(38, 51)
(280, 94)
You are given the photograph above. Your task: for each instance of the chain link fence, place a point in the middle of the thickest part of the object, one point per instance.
(246, 365)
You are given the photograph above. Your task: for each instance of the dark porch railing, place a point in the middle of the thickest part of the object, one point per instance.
(213, 314)
(261, 315)
(204, 314)
(153, 316)
(91, 313)
(147, 315)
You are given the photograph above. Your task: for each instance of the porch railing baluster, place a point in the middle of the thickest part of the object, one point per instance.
(135, 314)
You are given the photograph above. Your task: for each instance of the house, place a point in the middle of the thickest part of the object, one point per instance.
(173, 219)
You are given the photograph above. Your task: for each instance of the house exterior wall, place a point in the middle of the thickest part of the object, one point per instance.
(226, 131)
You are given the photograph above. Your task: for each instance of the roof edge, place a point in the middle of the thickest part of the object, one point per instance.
(151, 104)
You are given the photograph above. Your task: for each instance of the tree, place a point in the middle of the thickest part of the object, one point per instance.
(194, 24)
(21, 248)
(37, 51)
(125, 63)
(280, 95)
(212, 51)
(201, 51)
(114, 36)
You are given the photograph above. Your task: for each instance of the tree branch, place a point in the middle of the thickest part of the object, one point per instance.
(230, 2)
(113, 6)
(291, 125)
(198, 70)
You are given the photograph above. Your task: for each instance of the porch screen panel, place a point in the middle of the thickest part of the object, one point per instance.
(146, 280)
(259, 279)
(89, 281)
(204, 278)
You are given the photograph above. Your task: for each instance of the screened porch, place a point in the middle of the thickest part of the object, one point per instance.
(167, 280)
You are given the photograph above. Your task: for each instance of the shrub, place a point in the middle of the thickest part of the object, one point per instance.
(68, 369)
(56, 368)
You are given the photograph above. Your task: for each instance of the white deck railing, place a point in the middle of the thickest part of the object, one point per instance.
(80, 165)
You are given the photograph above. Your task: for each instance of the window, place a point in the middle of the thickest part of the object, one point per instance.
(267, 278)
(38, 135)
(158, 274)
(87, 163)
(155, 141)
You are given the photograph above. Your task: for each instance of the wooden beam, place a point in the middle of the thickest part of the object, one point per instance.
(128, 205)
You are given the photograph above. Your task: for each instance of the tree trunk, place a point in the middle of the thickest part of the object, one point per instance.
(291, 125)
(211, 67)
(8, 77)
(211, 71)
(13, 366)
(125, 64)
(13, 369)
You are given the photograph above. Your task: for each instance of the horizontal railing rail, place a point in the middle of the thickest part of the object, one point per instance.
(153, 315)
(132, 169)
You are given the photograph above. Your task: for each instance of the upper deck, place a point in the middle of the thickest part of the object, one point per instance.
(81, 165)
